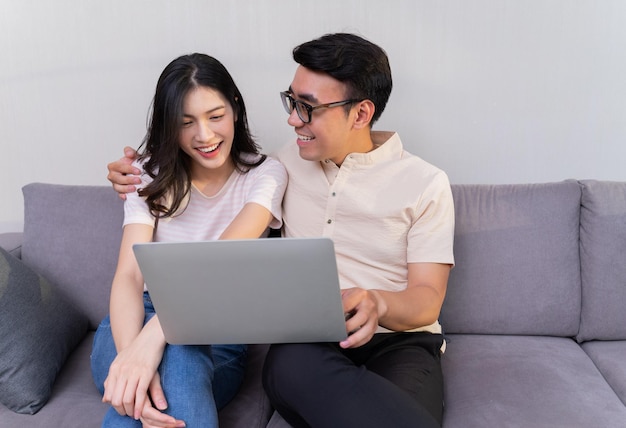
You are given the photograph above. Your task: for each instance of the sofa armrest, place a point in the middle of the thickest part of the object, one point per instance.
(12, 242)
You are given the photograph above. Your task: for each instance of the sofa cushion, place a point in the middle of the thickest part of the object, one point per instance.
(608, 356)
(39, 328)
(72, 236)
(525, 381)
(517, 263)
(251, 407)
(602, 249)
(12, 242)
(75, 401)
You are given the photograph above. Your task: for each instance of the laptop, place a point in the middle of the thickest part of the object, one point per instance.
(268, 290)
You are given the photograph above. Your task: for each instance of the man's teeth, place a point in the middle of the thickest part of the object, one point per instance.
(304, 137)
(208, 149)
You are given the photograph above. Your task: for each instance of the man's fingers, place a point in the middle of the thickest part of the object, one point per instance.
(130, 153)
(122, 170)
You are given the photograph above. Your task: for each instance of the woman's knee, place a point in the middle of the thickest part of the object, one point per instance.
(186, 365)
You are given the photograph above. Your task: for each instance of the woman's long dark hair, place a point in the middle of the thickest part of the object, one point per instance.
(166, 163)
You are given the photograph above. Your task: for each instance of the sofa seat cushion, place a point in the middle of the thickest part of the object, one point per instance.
(75, 401)
(277, 421)
(251, 407)
(602, 249)
(608, 356)
(39, 328)
(525, 381)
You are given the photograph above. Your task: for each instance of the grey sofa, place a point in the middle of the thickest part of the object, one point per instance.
(534, 316)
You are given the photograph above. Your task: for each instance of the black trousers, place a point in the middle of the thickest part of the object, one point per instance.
(393, 381)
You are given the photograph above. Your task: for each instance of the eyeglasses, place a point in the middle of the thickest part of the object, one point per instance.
(305, 110)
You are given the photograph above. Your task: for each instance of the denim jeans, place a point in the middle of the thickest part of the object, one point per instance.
(197, 380)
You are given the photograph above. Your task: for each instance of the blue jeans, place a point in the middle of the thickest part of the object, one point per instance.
(197, 380)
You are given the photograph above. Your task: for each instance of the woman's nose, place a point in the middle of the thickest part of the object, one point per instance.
(205, 132)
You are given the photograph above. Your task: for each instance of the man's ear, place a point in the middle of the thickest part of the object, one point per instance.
(364, 113)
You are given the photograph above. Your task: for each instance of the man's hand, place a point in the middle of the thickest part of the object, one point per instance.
(363, 308)
(416, 306)
(123, 175)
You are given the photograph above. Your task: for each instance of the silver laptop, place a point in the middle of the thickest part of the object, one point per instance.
(272, 290)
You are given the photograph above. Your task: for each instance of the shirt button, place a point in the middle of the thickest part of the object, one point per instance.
(334, 194)
(329, 221)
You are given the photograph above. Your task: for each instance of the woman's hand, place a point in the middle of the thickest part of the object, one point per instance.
(133, 371)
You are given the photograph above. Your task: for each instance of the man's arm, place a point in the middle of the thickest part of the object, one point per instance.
(418, 305)
(123, 175)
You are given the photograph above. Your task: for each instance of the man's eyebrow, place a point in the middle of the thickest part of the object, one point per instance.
(306, 97)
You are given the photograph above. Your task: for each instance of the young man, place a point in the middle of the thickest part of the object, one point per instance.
(391, 217)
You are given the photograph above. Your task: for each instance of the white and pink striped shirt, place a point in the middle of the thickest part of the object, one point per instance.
(205, 218)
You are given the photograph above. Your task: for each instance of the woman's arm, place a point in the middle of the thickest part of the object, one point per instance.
(251, 222)
(126, 303)
(139, 347)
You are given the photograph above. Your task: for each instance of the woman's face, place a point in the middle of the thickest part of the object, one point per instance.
(207, 130)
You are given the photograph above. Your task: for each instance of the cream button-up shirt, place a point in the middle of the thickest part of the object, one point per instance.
(382, 209)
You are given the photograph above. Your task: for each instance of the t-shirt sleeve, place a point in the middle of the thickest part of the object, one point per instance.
(135, 208)
(268, 188)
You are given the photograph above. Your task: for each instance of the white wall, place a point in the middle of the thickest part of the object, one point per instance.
(492, 91)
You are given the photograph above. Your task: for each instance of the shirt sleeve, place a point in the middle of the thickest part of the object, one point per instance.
(269, 184)
(135, 208)
(431, 237)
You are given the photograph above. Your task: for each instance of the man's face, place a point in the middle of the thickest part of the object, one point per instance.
(328, 135)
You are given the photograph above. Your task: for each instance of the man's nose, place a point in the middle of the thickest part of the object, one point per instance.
(294, 119)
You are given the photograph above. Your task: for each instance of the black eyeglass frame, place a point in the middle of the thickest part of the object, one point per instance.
(290, 103)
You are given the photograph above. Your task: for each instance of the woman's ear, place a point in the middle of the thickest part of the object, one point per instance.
(364, 113)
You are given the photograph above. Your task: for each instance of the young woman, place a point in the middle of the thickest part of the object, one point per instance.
(202, 178)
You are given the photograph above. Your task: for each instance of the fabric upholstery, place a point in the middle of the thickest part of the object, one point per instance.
(517, 263)
(39, 328)
(608, 356)
(251, 407)
(75, 401)
(603, 260)
(12, 242)
(525, 381)
(517, 278)
(72, 236)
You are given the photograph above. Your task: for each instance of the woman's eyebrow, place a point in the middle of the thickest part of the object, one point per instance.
(207, 112)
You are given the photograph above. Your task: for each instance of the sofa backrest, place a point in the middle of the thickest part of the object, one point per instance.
(517, 260)
(603, 260)
(71, 237)
(516, 246)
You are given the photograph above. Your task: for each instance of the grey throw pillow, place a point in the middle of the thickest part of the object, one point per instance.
(38, 330)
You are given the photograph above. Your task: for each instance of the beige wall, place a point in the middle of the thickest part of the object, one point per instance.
(492, 91)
